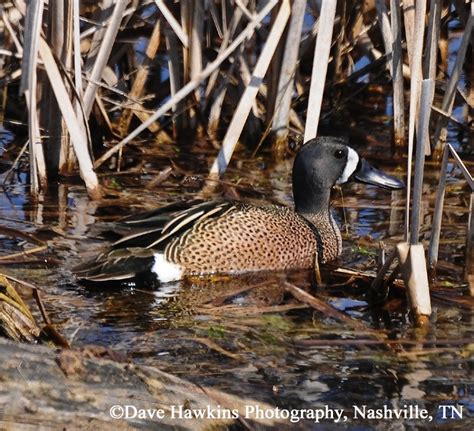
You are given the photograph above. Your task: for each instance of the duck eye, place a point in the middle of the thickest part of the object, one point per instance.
(338, 154)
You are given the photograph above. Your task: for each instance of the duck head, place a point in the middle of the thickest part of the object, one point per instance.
(326, 161)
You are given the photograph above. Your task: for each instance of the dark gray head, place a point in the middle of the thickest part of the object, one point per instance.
(326, 161)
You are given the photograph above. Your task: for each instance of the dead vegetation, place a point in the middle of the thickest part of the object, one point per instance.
(89, 80)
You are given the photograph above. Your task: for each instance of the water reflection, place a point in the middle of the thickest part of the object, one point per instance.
(255, 331)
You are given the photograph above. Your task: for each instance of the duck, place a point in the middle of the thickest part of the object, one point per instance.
(204, 238)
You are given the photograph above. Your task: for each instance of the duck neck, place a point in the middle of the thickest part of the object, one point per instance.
(318, 213)
(310, 201)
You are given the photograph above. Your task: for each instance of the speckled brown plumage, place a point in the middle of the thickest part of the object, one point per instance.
(251, 238)
(205, 237)
(328, 234)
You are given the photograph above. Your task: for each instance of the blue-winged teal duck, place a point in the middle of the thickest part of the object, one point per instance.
(197, 238)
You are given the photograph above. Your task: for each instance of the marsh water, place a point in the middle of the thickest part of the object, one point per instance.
(247, 335)
(244, 335)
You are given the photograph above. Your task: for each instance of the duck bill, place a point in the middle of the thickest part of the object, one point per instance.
(366, 173)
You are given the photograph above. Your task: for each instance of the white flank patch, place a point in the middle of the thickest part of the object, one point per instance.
(351, 166)
(166, 271)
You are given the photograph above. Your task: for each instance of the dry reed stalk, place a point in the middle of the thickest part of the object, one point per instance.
(8, 53)
(196, 44)
(215, 19)
(426, 100)
(103, 111)
(77, 67)
(320, 65)
(294, 119)
(140, 79)
(462, 167)
(308, 39)
(323, 307)
(246, 101)
(409, 22)
(287, 74)
(244, 9)
(225, 15)
(38, 176)
(186, 7)
(393, 49)
(192, 85)
(33, 21)
(61, 20)
(413, 269)
(411, 254)
(460, 6)
(415, 68)
(385, 28)
(246, 78)
(439, 203)
(438, 212)
(272, 75)
(174, 24)
(397, 75)
(431, 49)
(254, 121)
(377, 282)
(216, 107)
(77, 50)
(11, 32)
(60, 26)
(469, 270)
(103, 13)
(175, 78)
(229, 32)
(3, 104)
(450, 92)
(76, 129)
(103, 55)
(340, 42)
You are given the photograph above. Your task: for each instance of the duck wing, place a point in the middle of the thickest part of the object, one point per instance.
(160, 226)
(148, 234)
(147, 220)
(115, 265)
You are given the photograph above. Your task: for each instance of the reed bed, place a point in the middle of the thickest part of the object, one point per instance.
(89, 78)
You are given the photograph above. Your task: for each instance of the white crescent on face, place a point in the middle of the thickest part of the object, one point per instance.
(351, 166)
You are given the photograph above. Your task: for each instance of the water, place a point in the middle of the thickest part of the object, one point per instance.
(293, 357)
(298, 358)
